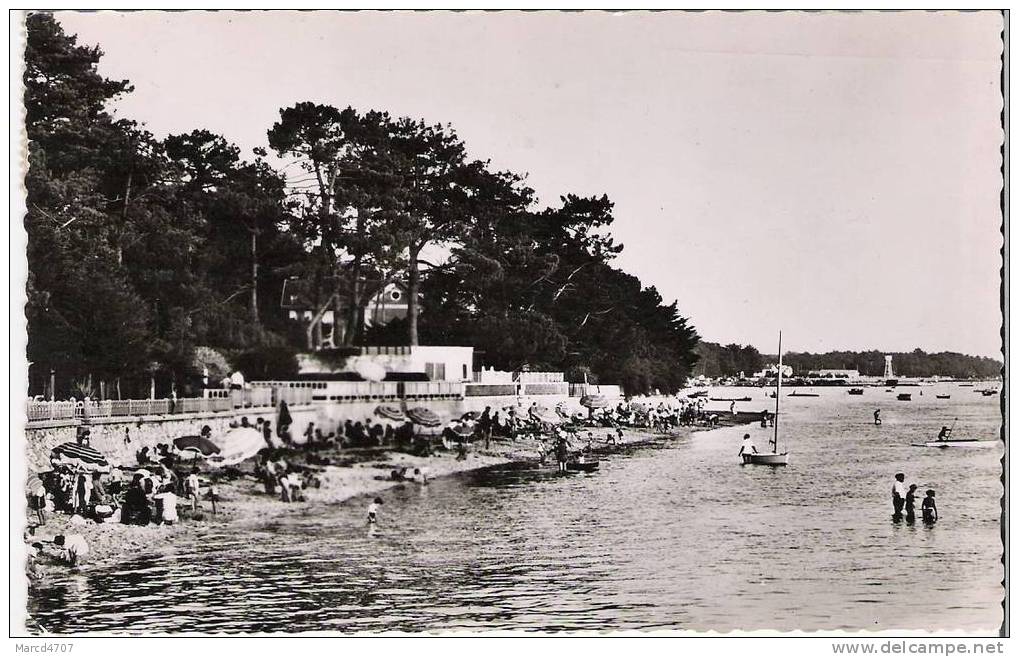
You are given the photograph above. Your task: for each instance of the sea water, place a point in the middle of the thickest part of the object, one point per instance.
(677, 536)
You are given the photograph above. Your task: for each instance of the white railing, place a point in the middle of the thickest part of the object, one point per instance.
(43, 411)
(540, 377)
(433, 390)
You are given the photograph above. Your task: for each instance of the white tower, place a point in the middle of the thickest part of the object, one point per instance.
(888, 368)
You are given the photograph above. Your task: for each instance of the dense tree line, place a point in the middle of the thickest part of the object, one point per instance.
(714, 360)
(157, 257)
(907, 364)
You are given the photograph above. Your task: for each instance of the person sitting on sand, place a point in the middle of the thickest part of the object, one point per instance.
(71, 548)
(373, 511)
(136, 505)
(929, 508)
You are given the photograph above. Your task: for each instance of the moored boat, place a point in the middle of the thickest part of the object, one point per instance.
(582, 466)
(803, 394)
(774, 457)
(904, 396)
(730, 399)
(856, 391)
(961, 442)
(944, 396)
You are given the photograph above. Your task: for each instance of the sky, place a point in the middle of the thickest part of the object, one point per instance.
(832, 175)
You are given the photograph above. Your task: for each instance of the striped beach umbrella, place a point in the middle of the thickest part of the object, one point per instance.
(391, 412)
(78, 457)
(594, 401)
(424, 416)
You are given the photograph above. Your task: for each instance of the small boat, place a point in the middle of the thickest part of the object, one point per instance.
(904, 396)
(988, 393)
(582, 466)
(730, 399)
(774, 457)
(961, 442)
(699, 393)
(965, 385)
(944, 396)
(804, 394)
(856, 391)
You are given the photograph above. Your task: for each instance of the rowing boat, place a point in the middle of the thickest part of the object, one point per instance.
(962, 442)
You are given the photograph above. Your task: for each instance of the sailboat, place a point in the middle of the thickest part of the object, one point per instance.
(773, 457)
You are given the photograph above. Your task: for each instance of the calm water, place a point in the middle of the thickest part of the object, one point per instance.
(675, 537)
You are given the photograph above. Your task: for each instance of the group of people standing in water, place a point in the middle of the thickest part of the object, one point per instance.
(904, 498)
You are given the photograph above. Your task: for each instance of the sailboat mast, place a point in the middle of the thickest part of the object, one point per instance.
(778, 389)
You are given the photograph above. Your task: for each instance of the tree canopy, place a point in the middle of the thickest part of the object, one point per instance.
(141, 250)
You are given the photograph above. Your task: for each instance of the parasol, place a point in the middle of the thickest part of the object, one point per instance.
(78, 457)
(462, 429)
(236, 445)
(594, 401)
(199, 444)
(424, 416)
(391, 412)
(544, 415)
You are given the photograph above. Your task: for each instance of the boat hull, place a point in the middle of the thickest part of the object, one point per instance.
(766, 459)
(587, 466)
(942, 444)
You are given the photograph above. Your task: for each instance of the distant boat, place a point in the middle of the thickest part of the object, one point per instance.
(965, 385)
(944, 396)
(730, 399)
(962, 442)
(856, 391)
(699, 393)
(774, 457)
(804, 394)
(904, 396)
(988, 393)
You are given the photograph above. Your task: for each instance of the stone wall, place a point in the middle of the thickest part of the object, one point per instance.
(109, 435)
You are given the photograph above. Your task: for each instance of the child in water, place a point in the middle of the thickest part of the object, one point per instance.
(929, 509)
(373, 510)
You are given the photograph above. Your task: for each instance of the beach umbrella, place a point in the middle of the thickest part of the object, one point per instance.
(594, 401)
(462, 429)
(390, 412)
(469, 416)
(237, 445)
(78, 457)
(544, 415)
(199, 444)
(424, 416)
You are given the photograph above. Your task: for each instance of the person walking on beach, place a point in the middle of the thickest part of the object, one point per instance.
(898, 496)
(877, 418)
(485, 424)
(373, 511)
(929, 508)
(911, 504)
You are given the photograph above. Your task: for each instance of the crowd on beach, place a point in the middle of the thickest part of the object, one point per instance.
(169, 484)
